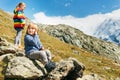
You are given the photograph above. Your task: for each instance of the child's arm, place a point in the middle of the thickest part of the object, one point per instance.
(40, 46)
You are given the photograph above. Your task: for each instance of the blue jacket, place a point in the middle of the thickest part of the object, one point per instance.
(32, 43)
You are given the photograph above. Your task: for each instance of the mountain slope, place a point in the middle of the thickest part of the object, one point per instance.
(75, 37)
(94, 64)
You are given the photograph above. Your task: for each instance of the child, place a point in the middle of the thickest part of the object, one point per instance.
(19, 22)
(34, 48)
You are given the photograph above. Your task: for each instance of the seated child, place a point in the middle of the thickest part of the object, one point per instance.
(34, 48)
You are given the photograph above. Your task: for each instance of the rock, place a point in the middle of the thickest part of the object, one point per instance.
(22, 67)
(3, 42)
(6, 57)
(69, 69)
(91, 77)
(20, 53)
(7, 50)
(118, 78)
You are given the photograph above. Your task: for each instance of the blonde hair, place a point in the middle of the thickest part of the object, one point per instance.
(32, 25)
(21, 3)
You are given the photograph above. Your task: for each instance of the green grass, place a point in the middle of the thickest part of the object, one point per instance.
(94, 63)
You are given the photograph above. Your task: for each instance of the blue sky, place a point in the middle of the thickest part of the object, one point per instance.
(76, 8)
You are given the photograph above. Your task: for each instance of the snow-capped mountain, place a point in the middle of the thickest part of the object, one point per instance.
(109, 30)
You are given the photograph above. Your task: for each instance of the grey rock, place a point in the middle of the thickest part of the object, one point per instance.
(20, 53)
(3, 42)
(22, 67)
(7, 50)
(6, 57)
(91, 77)
(69, 69)
(118, 78)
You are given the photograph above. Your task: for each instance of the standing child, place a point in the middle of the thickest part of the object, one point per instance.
(19, 22)
(34, 48)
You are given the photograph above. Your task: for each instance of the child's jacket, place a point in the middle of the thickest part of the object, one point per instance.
(19, 18)
(32, 43)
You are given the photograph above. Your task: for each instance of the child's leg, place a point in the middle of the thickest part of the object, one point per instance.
(48, 53)
(18, 37)
(39, 55)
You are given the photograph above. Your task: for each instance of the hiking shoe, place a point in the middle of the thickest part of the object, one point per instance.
(50, 66)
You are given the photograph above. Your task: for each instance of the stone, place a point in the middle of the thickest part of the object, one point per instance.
(69, 69)
(22, 67)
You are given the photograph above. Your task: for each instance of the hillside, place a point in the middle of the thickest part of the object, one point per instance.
(6, 25)
(75, 37)
(96, 64)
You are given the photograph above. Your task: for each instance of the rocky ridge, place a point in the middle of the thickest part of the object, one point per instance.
(78, 38)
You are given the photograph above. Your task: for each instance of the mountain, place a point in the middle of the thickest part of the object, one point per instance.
(75, 37)
(109, 30)
(96, 65)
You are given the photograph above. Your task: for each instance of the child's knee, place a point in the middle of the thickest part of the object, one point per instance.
(48, 51)
(45, 61)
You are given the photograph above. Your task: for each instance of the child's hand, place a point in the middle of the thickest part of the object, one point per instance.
(35, 32)
(42, 48)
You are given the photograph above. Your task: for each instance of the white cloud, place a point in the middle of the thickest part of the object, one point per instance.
(87, 24)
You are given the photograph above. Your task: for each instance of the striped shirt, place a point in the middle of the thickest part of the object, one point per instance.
(19, 18)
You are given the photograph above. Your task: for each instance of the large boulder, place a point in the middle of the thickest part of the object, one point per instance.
(8, 48)
(22, 67)
(69, 69)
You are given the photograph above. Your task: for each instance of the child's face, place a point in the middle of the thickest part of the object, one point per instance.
(31, 31)
(23, 6)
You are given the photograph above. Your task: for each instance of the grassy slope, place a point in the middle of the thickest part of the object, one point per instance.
(61, 50)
